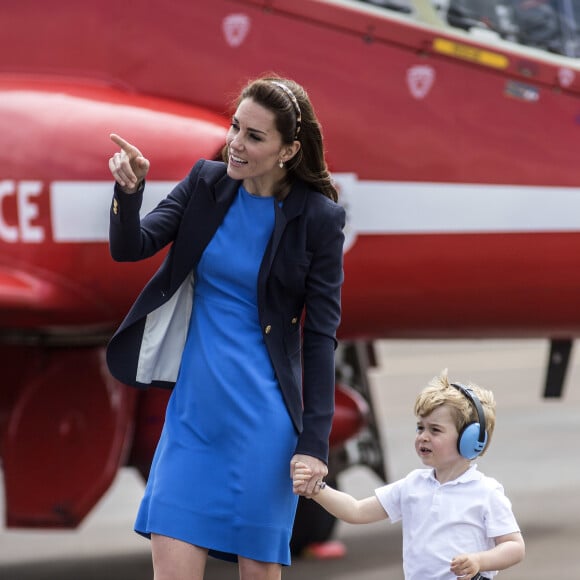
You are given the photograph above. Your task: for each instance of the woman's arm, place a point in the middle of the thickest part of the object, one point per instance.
(323, 309)
(132, 238)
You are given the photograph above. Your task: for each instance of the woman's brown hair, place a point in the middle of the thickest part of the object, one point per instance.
(293, 123)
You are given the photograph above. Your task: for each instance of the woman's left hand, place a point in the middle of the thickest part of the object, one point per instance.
(319, 471)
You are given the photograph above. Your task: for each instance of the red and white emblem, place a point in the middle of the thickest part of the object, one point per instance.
(235, 28)
(566, 76)
(420, 79)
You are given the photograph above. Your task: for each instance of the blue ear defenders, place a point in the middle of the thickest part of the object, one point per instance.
(473, 436)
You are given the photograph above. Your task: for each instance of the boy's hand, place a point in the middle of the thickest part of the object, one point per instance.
(316, 469)
(465, 566)
(301, 477)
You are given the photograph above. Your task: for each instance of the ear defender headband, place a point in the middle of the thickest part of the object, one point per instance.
(473, 437)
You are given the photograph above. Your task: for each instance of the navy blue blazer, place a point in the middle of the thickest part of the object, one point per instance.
(301, 273)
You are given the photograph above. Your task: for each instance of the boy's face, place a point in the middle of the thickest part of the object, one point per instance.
(436, 440)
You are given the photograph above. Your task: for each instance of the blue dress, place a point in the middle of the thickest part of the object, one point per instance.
(220, 477)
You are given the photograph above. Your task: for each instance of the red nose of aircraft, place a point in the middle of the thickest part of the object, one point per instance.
(56, 190)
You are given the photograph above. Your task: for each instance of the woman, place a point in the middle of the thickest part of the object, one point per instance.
(256, 244)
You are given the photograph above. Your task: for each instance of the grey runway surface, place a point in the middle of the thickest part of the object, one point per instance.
(534, 453)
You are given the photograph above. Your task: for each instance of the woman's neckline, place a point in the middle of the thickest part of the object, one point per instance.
(254, 195)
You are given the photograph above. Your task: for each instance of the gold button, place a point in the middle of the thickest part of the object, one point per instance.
(294, 320)
(268, 329)
(115, 206)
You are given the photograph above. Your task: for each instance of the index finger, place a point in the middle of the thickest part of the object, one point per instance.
(129, 149)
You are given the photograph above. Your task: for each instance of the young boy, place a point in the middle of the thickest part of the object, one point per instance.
(457, 523)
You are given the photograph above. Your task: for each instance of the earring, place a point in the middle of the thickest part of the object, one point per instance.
(280, 164)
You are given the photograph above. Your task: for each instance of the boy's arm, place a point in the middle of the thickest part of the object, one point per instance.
(508, 551)
(341, 505)
(345, 507)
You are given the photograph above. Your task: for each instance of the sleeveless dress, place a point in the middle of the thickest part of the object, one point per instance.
(220, 477)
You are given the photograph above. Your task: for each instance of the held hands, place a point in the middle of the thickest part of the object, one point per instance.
(305, 480)
(465, 566)
(128, 166)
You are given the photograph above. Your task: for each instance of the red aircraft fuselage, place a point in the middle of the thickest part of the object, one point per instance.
(454, 153)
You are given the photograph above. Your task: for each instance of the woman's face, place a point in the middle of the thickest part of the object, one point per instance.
(255, 148)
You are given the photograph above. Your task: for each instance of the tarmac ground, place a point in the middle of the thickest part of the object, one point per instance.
(534, 454)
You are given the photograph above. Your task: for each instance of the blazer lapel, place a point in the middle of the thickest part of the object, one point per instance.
(291, 208)
(224, 190)
(204, 216)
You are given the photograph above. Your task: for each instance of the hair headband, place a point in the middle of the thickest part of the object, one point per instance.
(294, 102)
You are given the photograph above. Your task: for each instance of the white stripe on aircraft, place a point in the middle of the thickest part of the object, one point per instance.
(80, 210)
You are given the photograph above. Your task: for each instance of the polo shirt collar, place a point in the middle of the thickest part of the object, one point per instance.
(470, 475)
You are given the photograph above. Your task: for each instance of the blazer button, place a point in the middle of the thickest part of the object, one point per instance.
(268, 328)
(115, 206)
(294, 320)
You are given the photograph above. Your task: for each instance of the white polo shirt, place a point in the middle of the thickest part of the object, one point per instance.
(443, 521)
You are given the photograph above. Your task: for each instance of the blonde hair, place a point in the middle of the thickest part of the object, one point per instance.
(440, 391)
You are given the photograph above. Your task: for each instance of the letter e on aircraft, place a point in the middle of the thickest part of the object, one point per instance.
(18, 210)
